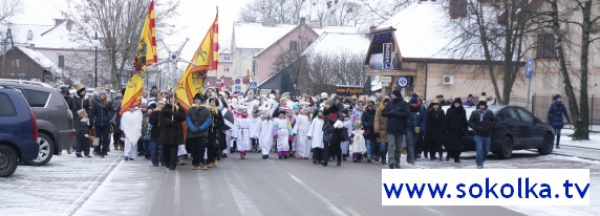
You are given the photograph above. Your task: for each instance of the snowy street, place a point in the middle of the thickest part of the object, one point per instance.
(111, 186)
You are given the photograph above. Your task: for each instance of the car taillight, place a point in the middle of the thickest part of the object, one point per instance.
(35, 126)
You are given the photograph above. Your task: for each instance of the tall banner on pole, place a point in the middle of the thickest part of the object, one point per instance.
(145, 56)
(206, 58)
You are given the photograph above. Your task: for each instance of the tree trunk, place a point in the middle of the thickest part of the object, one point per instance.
(582, 123)
(570, 93)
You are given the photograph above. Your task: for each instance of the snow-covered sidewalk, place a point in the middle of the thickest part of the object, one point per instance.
(57, 188)
(594, 142)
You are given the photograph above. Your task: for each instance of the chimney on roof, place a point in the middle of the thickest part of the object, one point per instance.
(458, 9)
(314, 24)
(270, 22)
(58, 21)
(29, 35)
(69, 24)
(302, 19)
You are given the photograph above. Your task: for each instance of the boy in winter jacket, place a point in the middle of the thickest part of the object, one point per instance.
(416, 127)
(481, 121)
(83, 137)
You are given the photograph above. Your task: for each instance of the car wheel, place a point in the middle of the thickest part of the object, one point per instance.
(547, 145)
(8, 161)
(46, 151)
(507, 148)
(496, 152)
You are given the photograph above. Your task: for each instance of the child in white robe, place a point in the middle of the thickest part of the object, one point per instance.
(315, 136)
(301, 131)
(131, 124)
(358, 148)
(241, 131)
(282, 131)
(348, 125)
(265, 134)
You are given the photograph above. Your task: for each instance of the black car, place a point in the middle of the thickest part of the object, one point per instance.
(514, 129)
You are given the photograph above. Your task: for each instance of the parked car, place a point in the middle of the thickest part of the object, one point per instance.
(18, 131)
(514, 129)
(53, 117)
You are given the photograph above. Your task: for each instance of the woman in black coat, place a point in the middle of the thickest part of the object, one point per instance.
(456, 127)
(214, 133)
(171, 132)
(368, 124)
(100, 114)
(435, 132)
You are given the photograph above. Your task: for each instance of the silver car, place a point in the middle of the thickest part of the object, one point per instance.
(54, 119)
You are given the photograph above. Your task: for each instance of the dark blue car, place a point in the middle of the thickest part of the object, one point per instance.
(18, 131)
(514, 129)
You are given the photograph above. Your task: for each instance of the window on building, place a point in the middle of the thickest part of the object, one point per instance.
(293, 45)
(545, 46)
(226, 57)
(61, 61)
(226, 68)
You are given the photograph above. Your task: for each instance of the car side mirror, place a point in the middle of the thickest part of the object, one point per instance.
(537, 121)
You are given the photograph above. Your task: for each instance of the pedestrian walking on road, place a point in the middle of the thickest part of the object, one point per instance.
(416, 127)
(146, 131)
(155, 145)
(435, 133)
(241, 131)
(171, 118)
(555, 117)
(368, 125)
(265, 133)
(455, 126)
(131, 125)
(100, 114)
(282, 131)
(198, 121)
(301, 131)
(315, 136)
(83, 137)
(358, 147)
(349, 127)
(482, 121)
(380, 130)
(214, 133)
(397, 113)
(332, 131)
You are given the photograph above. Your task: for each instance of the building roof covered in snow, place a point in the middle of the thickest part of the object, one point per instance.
(256, 35)
(42, 60)
(336, 29)
(338, 43)
(58, 36)
(424, 30)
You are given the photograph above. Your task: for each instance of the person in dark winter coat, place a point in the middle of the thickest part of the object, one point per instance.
(116, 123)
(555, 117)
(455, 126)
(397, 113)
(83, 137)
(170, 119)
(80, 103)
(155, 145)
(416, 127)
(198, 121)
(100, 114)
(66, 94)
(434, 135)
(368, 125)
(332, 132)
(482, 121)
(214, 133)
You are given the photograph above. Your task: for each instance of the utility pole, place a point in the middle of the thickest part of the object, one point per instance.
(96, 59)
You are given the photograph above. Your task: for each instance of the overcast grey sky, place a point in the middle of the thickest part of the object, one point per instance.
(195, 17)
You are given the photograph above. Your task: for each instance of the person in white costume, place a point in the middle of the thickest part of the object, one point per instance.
(348, 125)
(265, 133)
(241, 131)
(131, 124)
(358, 147)
(255, 127)
(301, 130)
(282, 131)
(315, 136)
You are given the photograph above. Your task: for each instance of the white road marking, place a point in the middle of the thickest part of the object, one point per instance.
(330, 205)
(245, 206)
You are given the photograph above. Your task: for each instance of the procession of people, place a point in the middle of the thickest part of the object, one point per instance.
(322, 128)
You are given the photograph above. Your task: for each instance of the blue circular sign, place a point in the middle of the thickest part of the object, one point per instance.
(174, 57)
(402, 82)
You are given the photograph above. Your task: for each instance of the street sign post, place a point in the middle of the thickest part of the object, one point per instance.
(253, 85)
(529, 75)
(238, 88)
(404, 81)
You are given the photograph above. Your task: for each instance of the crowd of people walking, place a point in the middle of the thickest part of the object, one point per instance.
(320, 128)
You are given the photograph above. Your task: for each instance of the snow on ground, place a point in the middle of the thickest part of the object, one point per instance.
(594, 141)
(57, 188)
(533, 160)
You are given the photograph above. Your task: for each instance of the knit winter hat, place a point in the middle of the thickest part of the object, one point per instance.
(414, 99)
(556, 96)
(397, 93)
(484, 103)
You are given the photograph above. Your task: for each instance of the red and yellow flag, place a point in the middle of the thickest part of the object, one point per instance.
(206, 58)
(145, 56)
